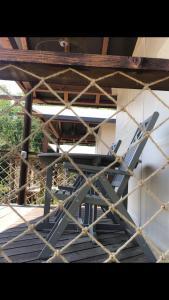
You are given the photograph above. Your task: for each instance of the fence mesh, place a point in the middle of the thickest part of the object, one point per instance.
(11, 157)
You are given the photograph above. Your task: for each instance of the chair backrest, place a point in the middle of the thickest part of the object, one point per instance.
(131, 158)
(114, 147)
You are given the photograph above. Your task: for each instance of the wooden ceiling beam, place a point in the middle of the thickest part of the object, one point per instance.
(84, 60)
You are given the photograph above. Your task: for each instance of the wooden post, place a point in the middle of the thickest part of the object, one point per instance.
(45, 144)
(25, 148)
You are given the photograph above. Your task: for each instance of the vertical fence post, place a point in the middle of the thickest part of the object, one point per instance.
(25, 150)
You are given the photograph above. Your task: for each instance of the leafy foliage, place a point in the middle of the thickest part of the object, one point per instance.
(11, 128)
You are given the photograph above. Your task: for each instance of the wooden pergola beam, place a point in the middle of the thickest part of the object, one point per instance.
(83, 60)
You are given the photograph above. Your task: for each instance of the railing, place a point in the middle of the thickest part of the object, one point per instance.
(35, 184)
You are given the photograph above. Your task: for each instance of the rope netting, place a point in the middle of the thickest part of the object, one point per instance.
(35, 184)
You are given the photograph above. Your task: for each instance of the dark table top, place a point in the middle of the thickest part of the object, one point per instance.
(79, 158)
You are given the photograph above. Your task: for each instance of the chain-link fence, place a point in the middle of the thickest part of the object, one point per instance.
(35, 185)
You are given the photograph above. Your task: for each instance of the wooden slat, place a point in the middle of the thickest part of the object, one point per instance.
(28, 247)
(140, 258)
(78, 247)
(129, 254)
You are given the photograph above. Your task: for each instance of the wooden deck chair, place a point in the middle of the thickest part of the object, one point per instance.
(64, 190)
(114, 148)
(113, 191)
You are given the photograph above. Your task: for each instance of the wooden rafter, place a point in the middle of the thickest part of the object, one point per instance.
(55, 132)
(97, 99)
(23, 42)
(66, 96)
(143, 69)
(73, 89)
(105, 45)
(24, 46)
(103, 52)
(6, 44)
(59, 126)
(83, 60)
(66, 49)
(45, 144)
(57, 102)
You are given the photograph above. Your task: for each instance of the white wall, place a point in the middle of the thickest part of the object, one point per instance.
(107, 134)
(142, 206)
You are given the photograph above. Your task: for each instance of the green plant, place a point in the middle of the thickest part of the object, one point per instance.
(11, 128)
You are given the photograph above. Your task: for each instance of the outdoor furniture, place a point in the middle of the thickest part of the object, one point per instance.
(114, 149)
(92, 159)
(49, 158)
(89, 210)
(113, 190)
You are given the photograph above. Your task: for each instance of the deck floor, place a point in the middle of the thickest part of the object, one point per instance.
(28, 247)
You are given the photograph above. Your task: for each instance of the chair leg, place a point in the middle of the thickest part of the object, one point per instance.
(121, 208)
(86, 214)
(60, 226)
